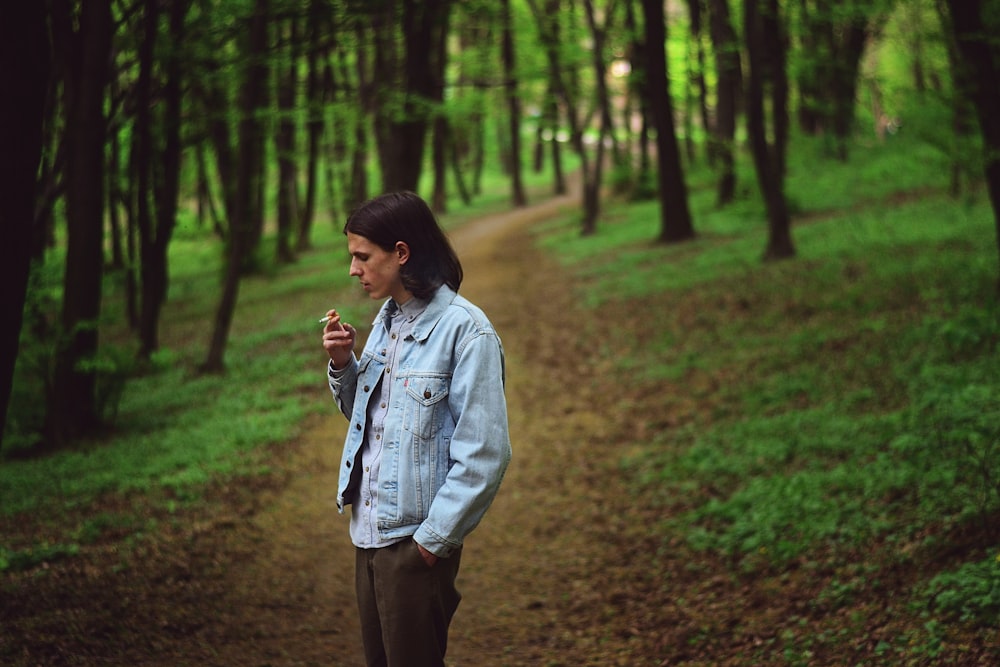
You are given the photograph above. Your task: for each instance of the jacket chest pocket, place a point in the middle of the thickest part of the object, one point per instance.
(425, 404)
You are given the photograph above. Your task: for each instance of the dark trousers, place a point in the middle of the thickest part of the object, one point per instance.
(405, 605)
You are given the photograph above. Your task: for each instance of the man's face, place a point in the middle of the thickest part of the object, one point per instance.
(378, 269)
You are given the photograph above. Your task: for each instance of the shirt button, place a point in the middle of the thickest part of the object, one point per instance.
(382, 406)
(367, 503)
(394, 336)
(378, 437)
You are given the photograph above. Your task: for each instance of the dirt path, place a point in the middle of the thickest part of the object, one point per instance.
(262, 575)
(292, 603)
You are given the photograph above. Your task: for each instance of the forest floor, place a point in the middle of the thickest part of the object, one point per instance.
(564, 570)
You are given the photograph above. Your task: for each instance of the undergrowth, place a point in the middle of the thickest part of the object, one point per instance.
(852, 395)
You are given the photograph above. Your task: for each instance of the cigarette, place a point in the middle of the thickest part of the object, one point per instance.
(325, 319)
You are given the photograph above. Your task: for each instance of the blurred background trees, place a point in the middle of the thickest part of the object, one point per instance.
(251, 119)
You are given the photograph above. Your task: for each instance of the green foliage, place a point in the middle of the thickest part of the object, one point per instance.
(971, 593)
(792, 481)
(177, 429)
(839, 404)
(953, 440)
(20, 560)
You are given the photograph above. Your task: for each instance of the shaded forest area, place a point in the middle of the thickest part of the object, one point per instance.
(842, 453)
(249, 117)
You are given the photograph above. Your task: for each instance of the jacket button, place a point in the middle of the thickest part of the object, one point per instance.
(357, 426)
(427, 394)
(367, 388)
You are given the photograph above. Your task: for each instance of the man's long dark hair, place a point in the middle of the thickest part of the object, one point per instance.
(404, 216)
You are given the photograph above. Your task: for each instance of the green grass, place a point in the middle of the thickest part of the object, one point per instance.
(849, 398)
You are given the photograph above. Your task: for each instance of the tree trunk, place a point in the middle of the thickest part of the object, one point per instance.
(599, 35)
(697, 78)
(567, 88)
(251, 99)
(72, 409)
(213, 99)
(768, 166)
(558, 173)
(846, 67)
(403, 134)
(314, 125)
(157, 169)
(728, 85)
(142, 168)
(776, 43)
(813, 70)
(963, 112)
(24, 75)
(637, 88)
(518, 198)
(833, 37)
(288, 190)
(166, 187)
(358, 190)
(442, 128)
(980, 55)
(253, 148)
(675, 216)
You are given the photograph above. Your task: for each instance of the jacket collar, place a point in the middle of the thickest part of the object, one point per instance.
(427, 320)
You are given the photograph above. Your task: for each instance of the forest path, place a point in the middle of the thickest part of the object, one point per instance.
(528, 558)
(258, 572)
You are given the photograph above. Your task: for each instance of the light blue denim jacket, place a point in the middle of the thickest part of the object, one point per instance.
(446, 445)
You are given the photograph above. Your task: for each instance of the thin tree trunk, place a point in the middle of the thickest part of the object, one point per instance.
(72, 409)
(166, 189)
(558, 172)
(638, 89)
(441, 131)
(252, 98)
(142, 168)
(963, 112)
(114, 203)
(697, 11)
(358, 190)
(288, 191)
(980, 56)
(456, 169)
(814, 73)
(728, 85)
(518, 198)
(776, 41)
(566, 88)
(314, 126)
(768, 166)
(845, 84)
(599, 34)
(675, 216)
(24, 74)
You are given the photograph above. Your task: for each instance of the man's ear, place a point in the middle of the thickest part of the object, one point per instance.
(403, 252)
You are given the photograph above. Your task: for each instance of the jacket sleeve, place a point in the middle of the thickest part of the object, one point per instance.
(343, 384)
(480, 446)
